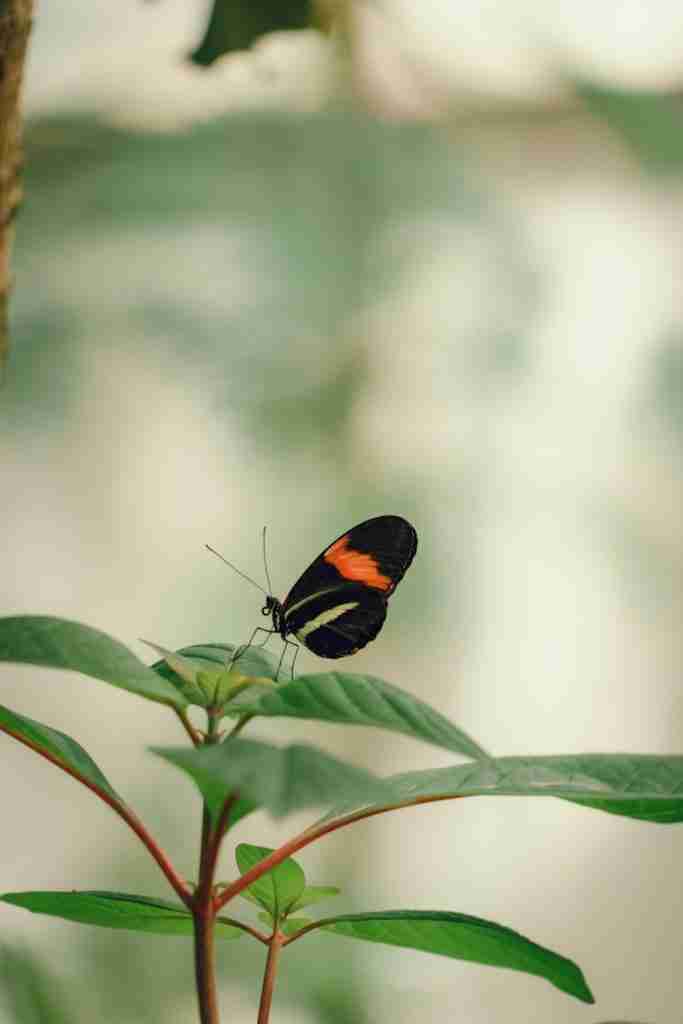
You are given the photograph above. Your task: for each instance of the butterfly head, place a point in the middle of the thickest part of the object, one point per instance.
(273, 608)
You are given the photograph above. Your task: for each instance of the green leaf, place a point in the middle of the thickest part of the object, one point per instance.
(60, 643)
(649, 122)
(463, 938)
(254, 662)
(57, 746)
(279, 888)
(314, 894)
(282, 780)
(251, 660)
(354, 699)
(240, 809)
(182, 674)
(236, 24)
(657, 811)
(212, 683)
(31, 992)
(294, 924)
(251, 898)
(644, 786)
(290, 926)
(116, 910)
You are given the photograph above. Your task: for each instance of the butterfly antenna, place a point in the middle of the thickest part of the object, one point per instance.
(265, 562)
(235, 569)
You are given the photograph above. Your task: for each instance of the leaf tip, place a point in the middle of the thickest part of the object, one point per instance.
(579, 986)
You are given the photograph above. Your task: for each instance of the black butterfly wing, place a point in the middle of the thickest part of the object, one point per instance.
(375, 554)
(337, 621)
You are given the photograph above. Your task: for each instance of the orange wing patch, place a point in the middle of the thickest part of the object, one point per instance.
(356, 565)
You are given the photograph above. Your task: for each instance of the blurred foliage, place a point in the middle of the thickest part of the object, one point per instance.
(668, 382)
(236, 258)
(236, 24)
(133, 977)
(651, 123)
(338, 1002)
(29, 992)
(244, 249)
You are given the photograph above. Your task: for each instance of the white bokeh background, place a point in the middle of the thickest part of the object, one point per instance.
(556, 490)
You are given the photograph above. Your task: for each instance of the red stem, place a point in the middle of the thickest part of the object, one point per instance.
(213, 841)
(275, 945)
(204, 924)
(179, 885)
(254, 932)
(194, 734)
(309, 836)
(204, 904)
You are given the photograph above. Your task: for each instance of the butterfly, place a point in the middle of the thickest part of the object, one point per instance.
(339, 603)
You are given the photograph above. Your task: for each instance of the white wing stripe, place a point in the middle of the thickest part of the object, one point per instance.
(307, 600)
(329, 615)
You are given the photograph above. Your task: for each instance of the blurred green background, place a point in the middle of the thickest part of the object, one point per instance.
(409, 269)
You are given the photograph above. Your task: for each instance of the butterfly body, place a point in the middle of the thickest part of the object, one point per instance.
(339, 604)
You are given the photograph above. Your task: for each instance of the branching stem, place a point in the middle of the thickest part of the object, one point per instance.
(187, 725)
(310, 835)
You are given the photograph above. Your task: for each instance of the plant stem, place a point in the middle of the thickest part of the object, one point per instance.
(188, 726)
(310, 835)
(205, 975)
(239, 726)
(159, 855)
(213, 845)
(204, 907)
(131, 819)
(268, 986)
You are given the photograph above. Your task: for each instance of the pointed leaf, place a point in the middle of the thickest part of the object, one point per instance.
(60, 643)
(280, 887)
(181, 672)
(282, 780)
(255, 661)
(206, 683)
(653, 809)
(187, 668)
(116, 910)
(252, 662)
(314, 894)
(354, 699)
(57, 746)
(645, 786)
(463, 938)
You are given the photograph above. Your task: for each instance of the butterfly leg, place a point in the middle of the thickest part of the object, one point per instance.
(296, 655)
(260, 629)
(245, 647)
(286, 643)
